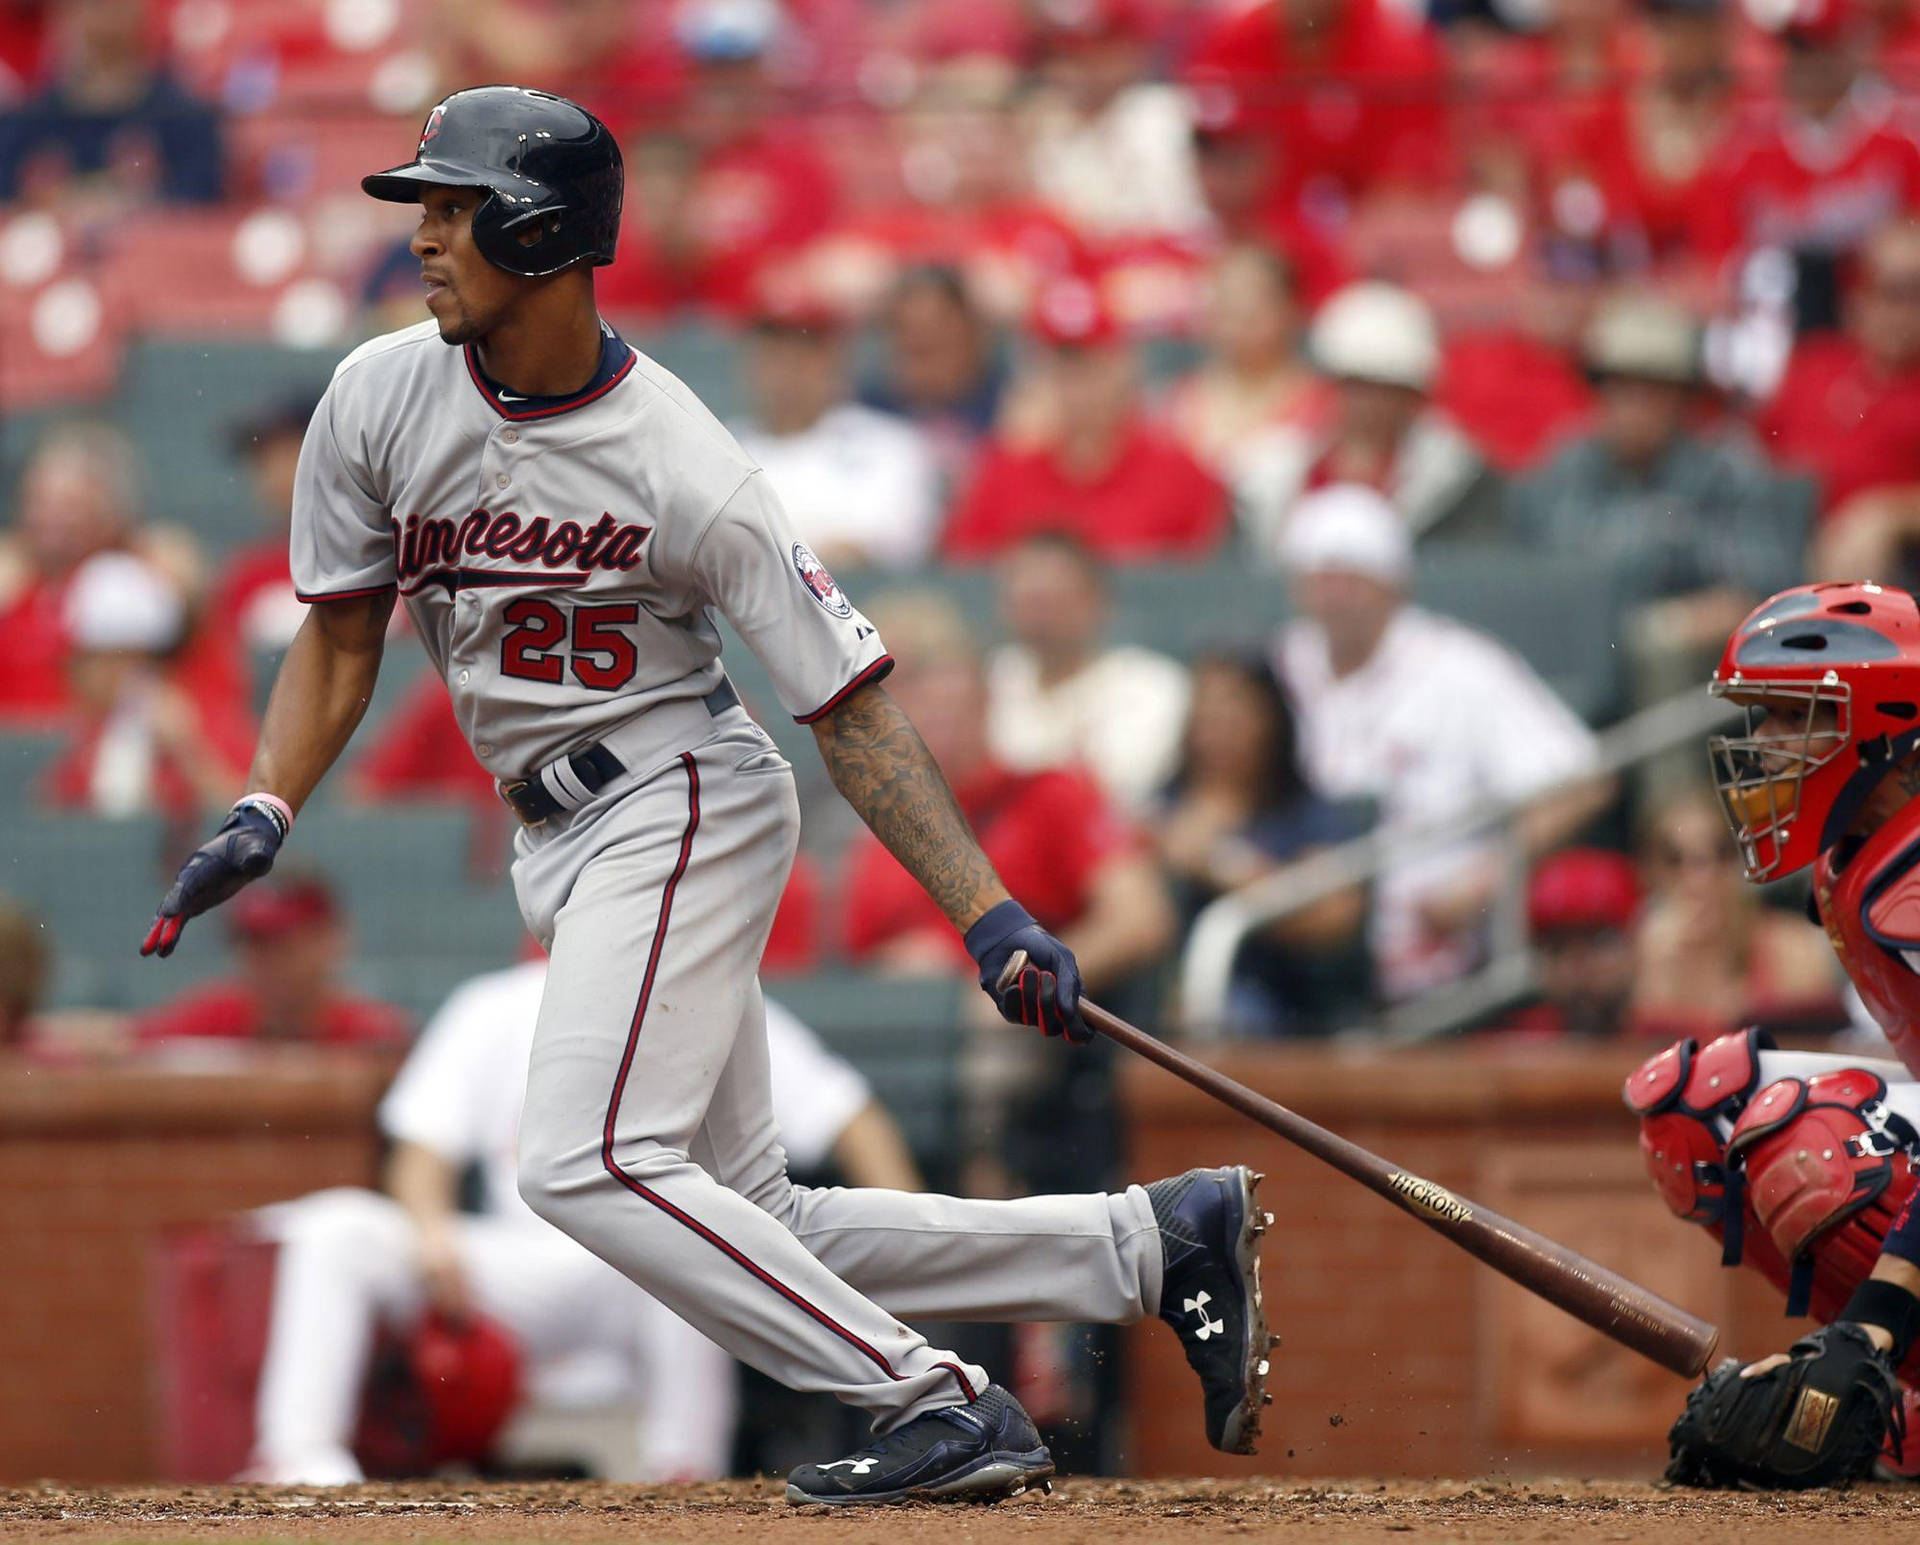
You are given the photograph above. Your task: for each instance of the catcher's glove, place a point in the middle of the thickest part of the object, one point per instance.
(1818, 1419)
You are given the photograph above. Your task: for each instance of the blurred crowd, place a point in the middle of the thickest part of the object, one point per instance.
(1051, 292)
(1068, 286)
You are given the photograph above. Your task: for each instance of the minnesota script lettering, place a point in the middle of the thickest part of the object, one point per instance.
(426, 542)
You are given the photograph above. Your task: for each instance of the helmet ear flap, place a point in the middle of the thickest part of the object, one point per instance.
(521, 242)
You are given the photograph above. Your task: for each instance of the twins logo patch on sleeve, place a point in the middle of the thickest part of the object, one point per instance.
(813, 574)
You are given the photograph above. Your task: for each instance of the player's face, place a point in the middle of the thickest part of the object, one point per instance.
(467, 295)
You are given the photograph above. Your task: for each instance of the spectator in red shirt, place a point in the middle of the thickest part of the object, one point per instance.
(1633, 170)
(1848, 412)
(1582, 906)
(1248, 200)
(1095, 468)
(290, 944)
(1050, 833)
(729, 191)
(139, 740)
(1348, 91)
(1822, 168)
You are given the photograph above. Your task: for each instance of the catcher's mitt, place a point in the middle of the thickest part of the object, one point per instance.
(1817, 1420)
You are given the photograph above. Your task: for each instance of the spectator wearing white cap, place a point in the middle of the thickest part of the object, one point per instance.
(1425, 716)
(1379, 348)
(138, 742)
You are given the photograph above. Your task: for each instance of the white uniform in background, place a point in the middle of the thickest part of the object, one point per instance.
(1120, 719)
(1440, 718)
(860, 485)
(587, 1335)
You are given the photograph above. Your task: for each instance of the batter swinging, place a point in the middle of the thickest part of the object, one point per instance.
(560, 515)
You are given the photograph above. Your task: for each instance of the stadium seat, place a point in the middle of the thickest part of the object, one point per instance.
(1560, 614)
(94, 884)
(26, 754)
(181, 401)
(704, 355)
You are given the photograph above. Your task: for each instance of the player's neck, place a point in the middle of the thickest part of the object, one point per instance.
(549, 346)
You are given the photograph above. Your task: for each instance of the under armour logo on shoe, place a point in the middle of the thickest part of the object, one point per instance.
(858, 1466)
(1206, 1327)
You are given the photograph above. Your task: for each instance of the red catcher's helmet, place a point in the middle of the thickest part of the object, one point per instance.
(1830, 678)
(469, 1371)
(437, 1395)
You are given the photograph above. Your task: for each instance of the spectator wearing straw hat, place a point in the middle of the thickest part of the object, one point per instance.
(1695, 525)
(1379, 348)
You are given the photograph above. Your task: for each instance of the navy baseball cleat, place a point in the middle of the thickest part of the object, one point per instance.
(1210, 1228)
(974, 1453)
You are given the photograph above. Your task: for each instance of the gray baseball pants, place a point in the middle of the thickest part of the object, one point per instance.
(648, 1132)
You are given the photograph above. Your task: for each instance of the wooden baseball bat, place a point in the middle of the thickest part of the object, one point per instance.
(1623, 1310)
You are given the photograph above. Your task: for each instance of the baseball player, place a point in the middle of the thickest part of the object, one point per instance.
(351, 1259)
(1802, 1163)
(561, 517)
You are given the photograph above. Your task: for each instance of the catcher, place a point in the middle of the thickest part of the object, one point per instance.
(1802, 1164)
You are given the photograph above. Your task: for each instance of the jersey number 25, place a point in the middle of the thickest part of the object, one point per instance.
(601, 656)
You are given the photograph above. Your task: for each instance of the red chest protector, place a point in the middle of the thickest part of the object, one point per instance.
(1871, 911)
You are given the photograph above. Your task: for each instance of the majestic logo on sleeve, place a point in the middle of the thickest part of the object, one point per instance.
(813, 574)
(438, 550)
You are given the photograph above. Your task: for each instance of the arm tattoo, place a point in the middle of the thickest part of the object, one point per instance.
(883, 769)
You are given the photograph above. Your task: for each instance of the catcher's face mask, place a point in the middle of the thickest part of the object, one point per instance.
(1792, 732)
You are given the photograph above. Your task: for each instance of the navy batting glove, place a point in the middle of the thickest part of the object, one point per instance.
(242, 849)
(1030, 975)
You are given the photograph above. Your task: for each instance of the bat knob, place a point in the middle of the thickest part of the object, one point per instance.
(1015, 965)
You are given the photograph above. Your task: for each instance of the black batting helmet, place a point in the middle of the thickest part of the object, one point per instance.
(542, 160)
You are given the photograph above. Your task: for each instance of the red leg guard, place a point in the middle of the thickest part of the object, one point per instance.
(1828, 1171)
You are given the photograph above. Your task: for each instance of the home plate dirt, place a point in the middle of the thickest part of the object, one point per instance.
(1093, 1512)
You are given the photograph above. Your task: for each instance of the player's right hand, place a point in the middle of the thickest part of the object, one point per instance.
(242, 849)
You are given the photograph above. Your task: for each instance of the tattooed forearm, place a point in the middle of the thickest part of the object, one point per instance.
(883, 769)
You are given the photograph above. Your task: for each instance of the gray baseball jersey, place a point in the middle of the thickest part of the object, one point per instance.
(559, 563)
(559, 560)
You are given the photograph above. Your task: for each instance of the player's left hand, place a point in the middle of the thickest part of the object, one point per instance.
(1816, 1416)
(1031, 976)
(242, 849)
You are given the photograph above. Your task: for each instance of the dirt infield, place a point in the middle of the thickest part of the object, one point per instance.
(1081, 1512)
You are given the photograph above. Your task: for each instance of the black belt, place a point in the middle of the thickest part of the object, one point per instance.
(593, 768)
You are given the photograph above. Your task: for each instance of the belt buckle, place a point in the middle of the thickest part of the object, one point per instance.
(508, 791)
